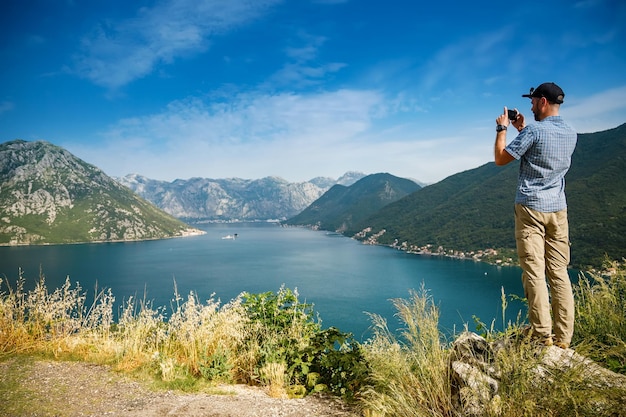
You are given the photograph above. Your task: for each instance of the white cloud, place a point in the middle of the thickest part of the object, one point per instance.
(303, 70)
(293, 136)
(598, 112)
(257, 117)
(253, 134)
(119, 52)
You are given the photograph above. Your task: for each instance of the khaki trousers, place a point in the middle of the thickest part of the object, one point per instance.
(543, 249)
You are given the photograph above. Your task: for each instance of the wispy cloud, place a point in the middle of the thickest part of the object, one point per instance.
(450, 66)
(120, 51)
(6, 106)
(596, 112)
(302, 68)
(258, 118)
(289, 135)
(294, 136)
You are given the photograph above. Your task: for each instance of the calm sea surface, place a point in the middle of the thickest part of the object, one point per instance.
(341, 277)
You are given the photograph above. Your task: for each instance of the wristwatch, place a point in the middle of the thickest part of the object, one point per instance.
(500, 128)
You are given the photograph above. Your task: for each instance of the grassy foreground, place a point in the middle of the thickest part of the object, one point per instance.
(274, 340)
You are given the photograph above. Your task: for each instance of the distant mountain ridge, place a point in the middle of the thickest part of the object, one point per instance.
(269, 198)
(341, 207)
(47, 195)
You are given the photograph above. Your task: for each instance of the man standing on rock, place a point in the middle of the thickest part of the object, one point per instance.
(541, 227)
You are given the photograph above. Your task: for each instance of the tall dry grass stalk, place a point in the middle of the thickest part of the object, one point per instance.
(140, 333)
(273, 376)
(52, 322)
(207, 338)
(410, 374)
(197, 338)
(600, 325)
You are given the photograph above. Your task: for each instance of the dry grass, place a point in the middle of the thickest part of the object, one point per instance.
(259, 342)
(273, 376)
(198, 339)
(600, 327)
(411, 373)
(199, 342)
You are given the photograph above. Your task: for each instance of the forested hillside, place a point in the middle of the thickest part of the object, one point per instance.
(341, 207)
(473, 210)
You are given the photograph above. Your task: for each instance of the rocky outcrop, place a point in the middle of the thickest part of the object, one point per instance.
(476, 375)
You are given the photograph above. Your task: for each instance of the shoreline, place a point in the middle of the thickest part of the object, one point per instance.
(188, 232)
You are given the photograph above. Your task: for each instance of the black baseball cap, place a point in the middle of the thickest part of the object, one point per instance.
(550, 91)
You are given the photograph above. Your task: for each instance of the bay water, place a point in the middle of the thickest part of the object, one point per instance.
(341, 277)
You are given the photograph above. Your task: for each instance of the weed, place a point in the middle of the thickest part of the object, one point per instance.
(600, 326)
(410, 375)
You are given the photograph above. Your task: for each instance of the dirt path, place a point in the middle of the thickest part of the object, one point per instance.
(68, 389)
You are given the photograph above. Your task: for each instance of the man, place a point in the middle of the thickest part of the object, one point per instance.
(541, 227)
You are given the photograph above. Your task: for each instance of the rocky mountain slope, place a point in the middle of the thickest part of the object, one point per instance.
(267, 198)
(47, 195)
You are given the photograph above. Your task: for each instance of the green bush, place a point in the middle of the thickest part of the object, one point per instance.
(286, 332)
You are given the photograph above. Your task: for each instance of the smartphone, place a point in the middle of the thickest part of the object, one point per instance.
(512, 114)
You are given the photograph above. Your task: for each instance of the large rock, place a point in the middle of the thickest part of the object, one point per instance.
(476, 376)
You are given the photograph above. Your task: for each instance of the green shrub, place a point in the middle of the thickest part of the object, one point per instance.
(285, 332)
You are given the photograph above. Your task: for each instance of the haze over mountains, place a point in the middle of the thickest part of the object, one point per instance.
(49, 196)
(229, 199)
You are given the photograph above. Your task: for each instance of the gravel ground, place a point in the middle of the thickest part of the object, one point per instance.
(68, 389)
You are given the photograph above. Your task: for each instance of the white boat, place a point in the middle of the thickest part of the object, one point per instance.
(230, 236)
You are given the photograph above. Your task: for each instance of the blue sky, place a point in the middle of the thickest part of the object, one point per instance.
(299, 88)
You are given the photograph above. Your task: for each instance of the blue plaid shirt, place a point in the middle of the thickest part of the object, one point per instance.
(545, 153)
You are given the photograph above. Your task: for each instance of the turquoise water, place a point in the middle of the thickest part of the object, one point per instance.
(341, 277)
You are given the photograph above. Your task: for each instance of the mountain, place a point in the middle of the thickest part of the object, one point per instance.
(473, 210)
(47, 195)
(346, 179)
(341, 207)
(233, 198)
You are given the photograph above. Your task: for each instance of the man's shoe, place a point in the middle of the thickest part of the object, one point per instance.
(544, 341)
(537, 340)
(562, 345)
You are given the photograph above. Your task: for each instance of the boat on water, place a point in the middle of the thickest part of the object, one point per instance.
(232, 237)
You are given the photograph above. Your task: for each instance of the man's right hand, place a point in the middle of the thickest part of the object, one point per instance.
(519, 122)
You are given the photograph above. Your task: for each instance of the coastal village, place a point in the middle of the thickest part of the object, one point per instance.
(488, 255)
